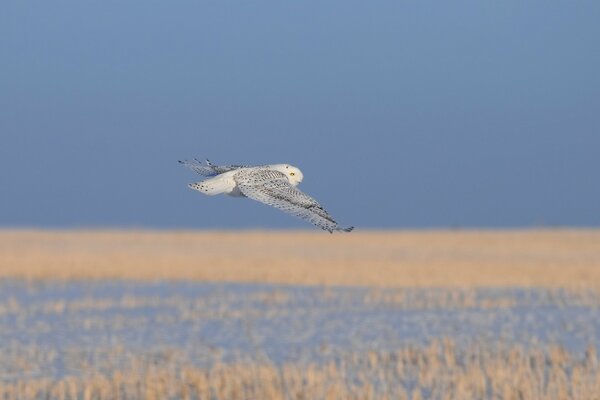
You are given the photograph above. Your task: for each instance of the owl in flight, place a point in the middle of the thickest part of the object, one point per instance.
(274, 185)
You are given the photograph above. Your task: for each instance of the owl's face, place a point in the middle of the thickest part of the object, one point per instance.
(293, 174)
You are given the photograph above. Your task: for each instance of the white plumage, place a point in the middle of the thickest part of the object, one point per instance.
(274, 185)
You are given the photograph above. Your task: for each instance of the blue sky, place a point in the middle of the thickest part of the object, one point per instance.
(400, 113)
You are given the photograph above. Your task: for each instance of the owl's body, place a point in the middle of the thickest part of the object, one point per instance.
(274, 185)
(225, 183)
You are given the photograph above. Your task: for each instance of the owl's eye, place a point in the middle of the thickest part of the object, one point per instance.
(292, 174)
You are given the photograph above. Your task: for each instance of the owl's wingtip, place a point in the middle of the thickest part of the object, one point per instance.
(349, 229)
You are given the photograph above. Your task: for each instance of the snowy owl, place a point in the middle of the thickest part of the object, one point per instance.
(274, 185)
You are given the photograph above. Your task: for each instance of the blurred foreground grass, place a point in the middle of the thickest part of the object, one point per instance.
(437, 371)
(549, 258)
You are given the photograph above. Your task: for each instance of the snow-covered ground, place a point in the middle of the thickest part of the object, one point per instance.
(59, 329)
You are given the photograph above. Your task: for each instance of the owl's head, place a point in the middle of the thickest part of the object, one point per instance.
(294, 174)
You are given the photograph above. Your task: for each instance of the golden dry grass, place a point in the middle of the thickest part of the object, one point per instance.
(461, 261)
(548, 258)
(437, 371)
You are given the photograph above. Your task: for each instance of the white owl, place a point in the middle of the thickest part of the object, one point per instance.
(274, 185)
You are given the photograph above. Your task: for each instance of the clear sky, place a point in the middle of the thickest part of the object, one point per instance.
(400, 113)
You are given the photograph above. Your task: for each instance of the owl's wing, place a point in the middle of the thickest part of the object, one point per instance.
(273, 188)
(209, 169)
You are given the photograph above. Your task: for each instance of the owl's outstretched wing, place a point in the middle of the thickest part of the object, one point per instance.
(273, 188)
(209, 169)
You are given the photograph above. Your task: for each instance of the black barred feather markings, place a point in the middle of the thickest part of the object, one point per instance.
(268, 184)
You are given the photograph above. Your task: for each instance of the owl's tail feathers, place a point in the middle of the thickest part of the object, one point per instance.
(212, 187)
(199, 186)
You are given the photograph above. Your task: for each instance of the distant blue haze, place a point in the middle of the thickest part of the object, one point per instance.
(400, 113)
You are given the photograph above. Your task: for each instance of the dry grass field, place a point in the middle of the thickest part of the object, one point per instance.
(98, 315)
(548, 258)
(435, 372)
(90, 340)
